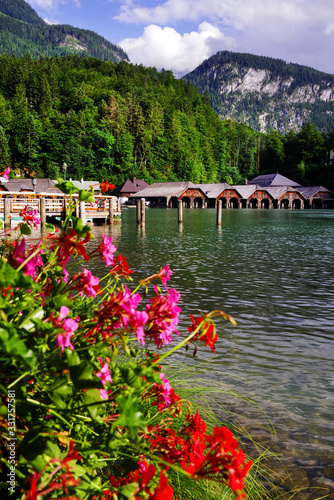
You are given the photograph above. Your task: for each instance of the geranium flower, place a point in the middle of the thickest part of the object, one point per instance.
(206, 334)
(106, 250)
(105, 376)
(105, 186)
(86, 283)
(68, 325)
(163, 316)
(30, 217)
(120, 267)
(5, 173)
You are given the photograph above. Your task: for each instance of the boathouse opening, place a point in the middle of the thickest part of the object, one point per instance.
(253, 203)
(265, 203)
(198, 202)
(234, 203)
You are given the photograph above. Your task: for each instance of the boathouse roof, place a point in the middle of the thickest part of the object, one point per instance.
(245, 190)
(33, 185)
(268, 180)
(309, 191)
(277, 191)
(163, 189)
(130, 186)
(212, 190)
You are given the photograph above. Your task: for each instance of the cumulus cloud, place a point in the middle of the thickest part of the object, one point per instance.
(166, 48)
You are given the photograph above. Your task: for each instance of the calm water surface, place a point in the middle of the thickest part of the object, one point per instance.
(273, 271)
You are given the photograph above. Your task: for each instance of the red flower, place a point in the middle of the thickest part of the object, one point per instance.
(30, 217)
(105, 186)
(69, 244)
(207, 333)
(120, 267)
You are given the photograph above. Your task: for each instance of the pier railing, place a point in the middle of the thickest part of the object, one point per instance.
(56, 205)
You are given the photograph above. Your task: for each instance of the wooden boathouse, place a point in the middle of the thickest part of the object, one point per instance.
(272, 191)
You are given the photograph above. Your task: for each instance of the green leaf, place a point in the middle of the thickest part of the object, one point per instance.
(51, 228)
(13, 346)
(127, 491)
(83, 376)
(89, 398)
(130, 417)
(78, 226)
(87, 196)
(72, 358)
(66, 187)
(24, 228)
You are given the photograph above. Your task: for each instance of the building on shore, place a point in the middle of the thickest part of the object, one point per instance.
(264, 191)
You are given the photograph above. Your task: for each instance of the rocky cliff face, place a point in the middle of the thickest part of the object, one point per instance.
(266, 93)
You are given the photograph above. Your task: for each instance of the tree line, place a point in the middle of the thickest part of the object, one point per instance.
(109, 120)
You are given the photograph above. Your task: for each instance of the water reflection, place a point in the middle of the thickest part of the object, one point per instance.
(273, 271)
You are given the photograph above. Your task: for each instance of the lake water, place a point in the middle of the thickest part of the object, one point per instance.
(273, 271)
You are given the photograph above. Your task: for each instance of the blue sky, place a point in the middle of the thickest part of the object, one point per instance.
(180, 34)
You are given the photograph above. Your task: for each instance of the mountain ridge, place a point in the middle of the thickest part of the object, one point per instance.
(23, 31)
(266, 93)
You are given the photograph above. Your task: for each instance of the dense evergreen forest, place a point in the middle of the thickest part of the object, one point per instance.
(116, 120)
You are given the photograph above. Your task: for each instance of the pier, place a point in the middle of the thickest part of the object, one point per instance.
(53, 207)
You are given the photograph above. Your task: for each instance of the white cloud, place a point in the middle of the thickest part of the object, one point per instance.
(44, 4)
(240, 14)
(49, 4)
(50, 21)
(166, 48)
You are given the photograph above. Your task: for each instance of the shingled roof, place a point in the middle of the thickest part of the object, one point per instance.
(39, 186)
(267, 180)
(163, 190)
(130, 186)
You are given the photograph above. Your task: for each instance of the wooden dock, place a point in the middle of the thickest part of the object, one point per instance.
(53, 207)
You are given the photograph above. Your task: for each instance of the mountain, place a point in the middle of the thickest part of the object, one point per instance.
(266, 93)
(23, 31)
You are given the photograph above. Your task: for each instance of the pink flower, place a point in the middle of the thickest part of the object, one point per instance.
(137, 321)
(166, 389)
(86, 283)
(120, 310)
(107, 250)
(165, 274)
(5, 174)
(163, 316)
(18, 256)
(68, 326)
(105, 376)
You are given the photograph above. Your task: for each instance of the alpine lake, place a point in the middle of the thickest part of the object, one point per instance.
(273, 271)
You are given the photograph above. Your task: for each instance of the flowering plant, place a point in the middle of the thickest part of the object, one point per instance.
(95, 413)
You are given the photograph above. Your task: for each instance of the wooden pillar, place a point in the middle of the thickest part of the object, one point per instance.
(138, 211)
(118, 204)
(82, 211)
(219, 212)
(111, 210)
(42, 210)
(6, 214)
(179, 211)
(142, 211)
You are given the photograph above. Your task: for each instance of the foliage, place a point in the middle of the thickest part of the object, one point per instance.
(96, 417)
(118, 121)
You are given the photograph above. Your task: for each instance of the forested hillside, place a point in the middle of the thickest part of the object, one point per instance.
(23, 31)
(266, 93)
(117, 120)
